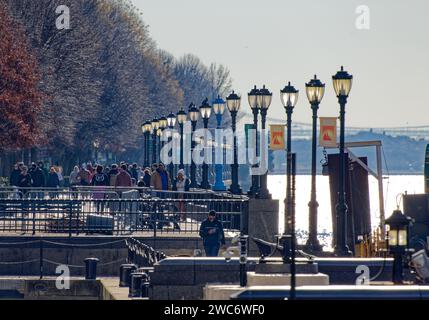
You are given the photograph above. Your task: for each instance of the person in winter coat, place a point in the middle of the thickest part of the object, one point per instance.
(53, 181)
(181, 184)
(113, 173)
(123, 179)
(14, 176)
(74, 177)
(100, 180)
(37, 176)
(211, 231)
(24, 180)
(160, 179)
(84, 177)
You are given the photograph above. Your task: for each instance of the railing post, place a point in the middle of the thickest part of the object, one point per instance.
(70, 219)
(41, 258)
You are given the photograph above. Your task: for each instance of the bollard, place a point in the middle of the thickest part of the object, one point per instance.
(91, 268)
(125, 274)
(287, 248)
(136, 285)
(145, 285)
(243, 261)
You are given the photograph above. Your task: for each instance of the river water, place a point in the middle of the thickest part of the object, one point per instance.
(393, 186)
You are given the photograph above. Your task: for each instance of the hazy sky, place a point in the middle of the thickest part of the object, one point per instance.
(275, 41)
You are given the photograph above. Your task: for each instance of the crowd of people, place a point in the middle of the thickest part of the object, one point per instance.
(122, 175)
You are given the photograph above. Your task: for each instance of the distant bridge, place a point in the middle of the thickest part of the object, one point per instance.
(304, 130)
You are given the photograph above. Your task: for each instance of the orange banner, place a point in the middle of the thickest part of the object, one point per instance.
(277, 137)
(328, 132)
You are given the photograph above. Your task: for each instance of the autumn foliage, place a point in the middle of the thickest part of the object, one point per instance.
(20, 98)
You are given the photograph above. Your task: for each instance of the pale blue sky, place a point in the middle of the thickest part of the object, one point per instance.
(275, 41)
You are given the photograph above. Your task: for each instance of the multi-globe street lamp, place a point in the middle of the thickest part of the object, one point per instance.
(182, 117)
(264, 102)
(219, 106)
(253, 102)
(146, 128)
(233, 102)
(342, 82)
(194, 115)
(171, 121)
(206, 111)
(155, 127)
(315, 90)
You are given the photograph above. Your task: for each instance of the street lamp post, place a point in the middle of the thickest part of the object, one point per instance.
(219, 108)
(155, 127)
(233, 102)
(342, 85)
(253, 102)
(315, 90)
(264, 101)
(147, 128)
(289, 96)
(96, 148)
(182, 117)
(194, 115)
(206, 111)
(171, 119)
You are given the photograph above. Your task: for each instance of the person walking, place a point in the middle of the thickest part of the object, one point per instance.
(134, 171)
(113, 173)
(84, 177)
(123, 179)
(14, 176)
(160, 179)
(53, 182)
(100, 181)
(24, 181)
(74, 177)
(211, 231)
(38, 178)
(181, 184)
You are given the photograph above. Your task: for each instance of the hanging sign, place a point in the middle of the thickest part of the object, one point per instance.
(328, 132)
(277, 137)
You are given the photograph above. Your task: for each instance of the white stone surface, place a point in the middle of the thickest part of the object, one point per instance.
(283, 279)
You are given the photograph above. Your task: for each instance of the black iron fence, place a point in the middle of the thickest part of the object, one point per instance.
(116, 212)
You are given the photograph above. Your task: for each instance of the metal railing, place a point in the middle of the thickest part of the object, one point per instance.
(116, 212)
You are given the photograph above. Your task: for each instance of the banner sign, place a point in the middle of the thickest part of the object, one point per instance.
(277, 137)
(328, 132)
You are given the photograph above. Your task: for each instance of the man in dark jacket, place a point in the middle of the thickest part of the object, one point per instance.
(14, 176)
(211, 231)
(38, 176)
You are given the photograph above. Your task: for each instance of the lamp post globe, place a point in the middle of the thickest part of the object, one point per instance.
(194, 115)
(171, 123)
(182, 117)
(233, 102)
(342, 82)
(206, 111)
(264, 99)
(315, 90)
(253, 103)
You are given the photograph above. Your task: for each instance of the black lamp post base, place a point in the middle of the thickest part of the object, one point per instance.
(313, 246)
(264, 194)
(342, 252)
(206, 186)
(236, 190)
